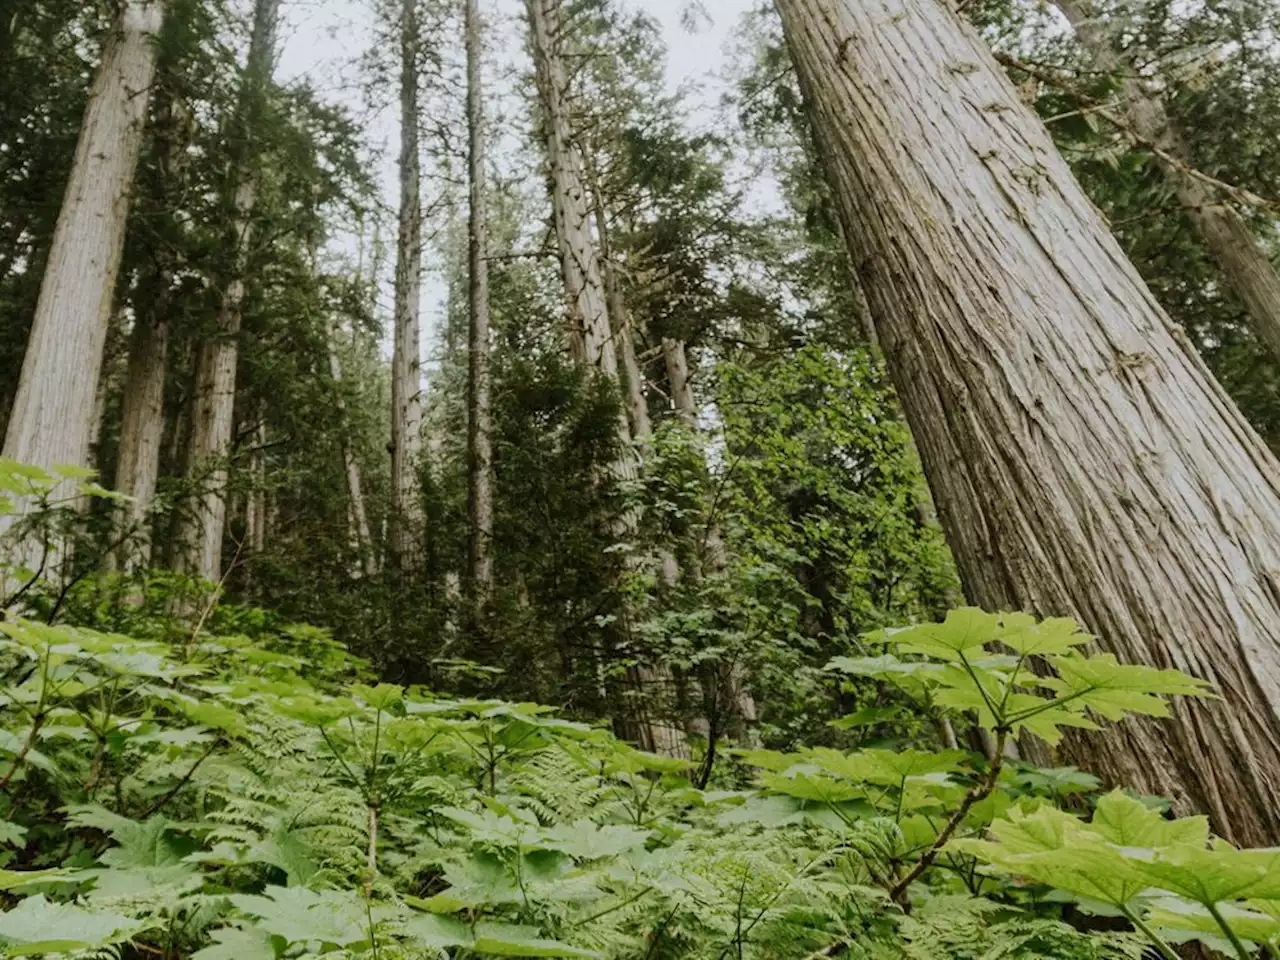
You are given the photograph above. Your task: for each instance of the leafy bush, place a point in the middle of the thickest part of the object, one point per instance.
(261, 798)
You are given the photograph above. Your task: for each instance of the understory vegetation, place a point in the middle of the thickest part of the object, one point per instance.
(473, 488)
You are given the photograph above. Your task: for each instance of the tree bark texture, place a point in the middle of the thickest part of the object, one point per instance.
(479, 406)
(142, 407)
(52, 417)
(1083, 460)
(1245, 264)
(357, 514)
(213, 410)
(591, 338)
(404, 547)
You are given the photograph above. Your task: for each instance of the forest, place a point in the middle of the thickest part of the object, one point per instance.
(509, 502)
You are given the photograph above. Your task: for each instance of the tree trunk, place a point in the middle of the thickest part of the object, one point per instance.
(406, 370)
(52, 417)
(256, 499)
(1083, 460)
(142, 411)
(1245, 264)
(590, 336)
(479, 420)
(357, 514)
(213, 411)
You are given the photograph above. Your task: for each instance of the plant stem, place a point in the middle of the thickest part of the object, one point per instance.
(21, 755)
(372, 863)
(1239, 947)
(164, 800)
(976, 794)
(1157, 941)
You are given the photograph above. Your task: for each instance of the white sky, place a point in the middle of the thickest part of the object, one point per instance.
(322, 40)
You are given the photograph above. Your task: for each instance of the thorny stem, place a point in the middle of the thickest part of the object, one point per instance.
(976, 794)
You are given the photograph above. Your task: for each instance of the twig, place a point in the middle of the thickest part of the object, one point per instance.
(164, 800)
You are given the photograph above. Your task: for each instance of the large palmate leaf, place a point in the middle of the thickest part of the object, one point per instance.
(1211, 875)
(1055, 849)
(488, 938)
(234, 943)
(38, 926)
(299, 915)
(1113, 689)
(586, 841)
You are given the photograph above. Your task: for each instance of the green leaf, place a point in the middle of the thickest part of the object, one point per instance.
(37, 926)
(1126, 822)
(965, 631)
(1210, 876)
(1169, 913)
(586, 841)
(509, 940)
(234, 943)
(299, 915)
(431, 930)
(19, 879)
(1055, 849)
(1113, 689)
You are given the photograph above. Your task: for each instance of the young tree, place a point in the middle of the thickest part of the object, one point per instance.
(53, 414)
(1083, 460)
(479, 413)
(406, 371)
(213, 403)
(1246, 266)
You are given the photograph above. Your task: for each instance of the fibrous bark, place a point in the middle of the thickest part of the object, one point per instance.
(142, 408)
(1083, 460)
(213, 407)
(480, 417)
(404, 550)
(1245, 263)
(591, 339)
(52, 418)
(357, 514)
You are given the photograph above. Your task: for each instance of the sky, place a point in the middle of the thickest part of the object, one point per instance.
(322, 41)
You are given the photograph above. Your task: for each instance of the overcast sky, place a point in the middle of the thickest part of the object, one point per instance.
(322, 41)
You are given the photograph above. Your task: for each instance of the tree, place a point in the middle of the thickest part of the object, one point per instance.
(1246, 266)
(213, 403)
(480, 415)
(1082, 458)
(406, 372)
(591, 337)
(53, 414)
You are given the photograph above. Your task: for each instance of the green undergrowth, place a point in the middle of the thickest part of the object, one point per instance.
(260, 797)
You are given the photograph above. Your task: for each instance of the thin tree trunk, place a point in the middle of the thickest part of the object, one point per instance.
(142, 410)
(358, 515)
(676, 360)
(620, 320)
(213, 412)
(712, 552)
(406, 374)
(479, 420)
(52, 417)
(590, 336)
(256, 498)
(1244, 262)
(1083, 460)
